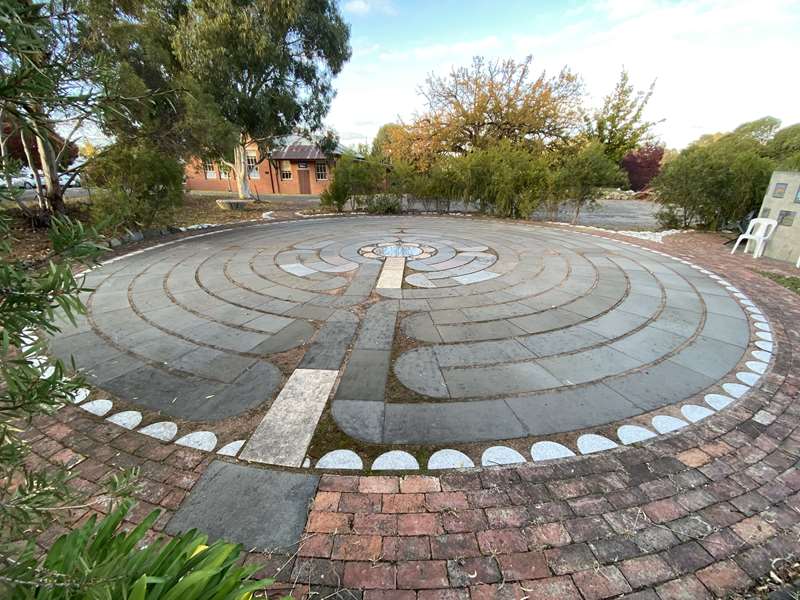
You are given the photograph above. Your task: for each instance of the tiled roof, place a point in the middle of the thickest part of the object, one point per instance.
(299, 148)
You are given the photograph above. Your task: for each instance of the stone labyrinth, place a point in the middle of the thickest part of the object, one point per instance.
(477, 341)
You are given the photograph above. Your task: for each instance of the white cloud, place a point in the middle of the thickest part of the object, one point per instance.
(717, 63)
(363, 7)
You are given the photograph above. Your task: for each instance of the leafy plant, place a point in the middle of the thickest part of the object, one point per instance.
(715, 181)
(100, 560)
(354, 179)
(584, 173)
(141, 186)
(642, 165)
(384, 204)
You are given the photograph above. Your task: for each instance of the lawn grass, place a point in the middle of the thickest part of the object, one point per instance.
(787, 281)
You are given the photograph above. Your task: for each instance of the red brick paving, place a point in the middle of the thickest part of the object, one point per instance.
(693, 515)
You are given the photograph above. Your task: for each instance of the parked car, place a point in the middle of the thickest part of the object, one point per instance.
(64, 179)
(24, 180)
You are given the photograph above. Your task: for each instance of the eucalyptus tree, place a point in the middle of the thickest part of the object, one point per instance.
(264, 67)
(53, 85)
(620, 124)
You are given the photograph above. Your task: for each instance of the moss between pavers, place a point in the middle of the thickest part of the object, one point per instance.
(790, 283)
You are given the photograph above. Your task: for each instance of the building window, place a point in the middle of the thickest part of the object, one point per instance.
(786, 218)
(252, 166)
(302, 165)
(780, 190)
(797, 195)
(286, 170)
(322, 171)
(211, 172)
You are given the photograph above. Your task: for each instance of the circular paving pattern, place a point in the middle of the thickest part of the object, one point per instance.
(420, 331)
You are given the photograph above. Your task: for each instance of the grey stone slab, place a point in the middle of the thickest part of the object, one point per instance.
(87, 348)
(658, 385)
(614, 324)
(588, 365)
(259, 508)
(450, 422)
(420, 327)
(377, 329)
(489, 330)
(363, 420)
(511, 378)
(731, 330)
(329, 347)
(448, 316)
(267, 323)
(572, 408)
(710, 357)
(311, 311)
(214, 364)
(564, 340)
(187, 396)
(365, 376)
(116, 365)
(678, 321)
(592, 305)
(418, 370)
(640, 304)
(166, 349)
(291, 336)
(648, 344)
(481, 353)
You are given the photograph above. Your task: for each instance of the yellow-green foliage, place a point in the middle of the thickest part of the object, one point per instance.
(140, 187)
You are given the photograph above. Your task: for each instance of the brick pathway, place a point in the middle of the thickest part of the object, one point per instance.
(700, 513)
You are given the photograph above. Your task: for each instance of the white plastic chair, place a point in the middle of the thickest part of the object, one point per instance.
(759, 230)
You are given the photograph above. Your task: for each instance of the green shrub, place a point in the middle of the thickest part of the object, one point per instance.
(335, 195)
(353, 178)
(141, 187)
(714, 182)
(99, 560)
(384, 204)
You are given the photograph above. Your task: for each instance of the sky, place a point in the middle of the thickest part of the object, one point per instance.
(716, 63)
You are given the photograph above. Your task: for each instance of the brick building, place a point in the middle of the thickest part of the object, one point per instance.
(295, 166)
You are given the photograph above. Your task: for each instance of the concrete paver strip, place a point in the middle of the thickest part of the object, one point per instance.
(285, 432)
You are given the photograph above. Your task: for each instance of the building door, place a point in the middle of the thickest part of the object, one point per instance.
(305, 182)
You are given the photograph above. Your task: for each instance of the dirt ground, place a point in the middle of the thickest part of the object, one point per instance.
(31, 243)
(620, 215)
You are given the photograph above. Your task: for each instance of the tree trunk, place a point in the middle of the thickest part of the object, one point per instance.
(23, 136)
(240, 170)
(577, 212)
(3, 153)
(6, 172)
(47, 157)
